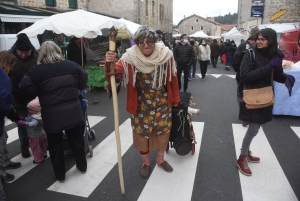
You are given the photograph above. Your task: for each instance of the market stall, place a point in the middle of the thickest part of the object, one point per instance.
(284, 104)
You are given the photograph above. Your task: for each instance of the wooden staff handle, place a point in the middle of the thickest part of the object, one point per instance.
(112, 47)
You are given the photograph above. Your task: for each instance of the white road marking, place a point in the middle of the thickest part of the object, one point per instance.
(296, 130)
(268, 181)
(232, 76)
(215, 75)
(104, 159)
(13, 133)
(27, 165)
(178, 185)
(7, 122)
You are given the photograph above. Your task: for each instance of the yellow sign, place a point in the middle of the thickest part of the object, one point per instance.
(278, 14)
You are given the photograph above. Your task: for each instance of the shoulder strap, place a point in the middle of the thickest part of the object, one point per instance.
(252, 57)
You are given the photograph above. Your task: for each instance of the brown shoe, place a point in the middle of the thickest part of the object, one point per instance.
(165, 165)
(145, 169)
(252, 159)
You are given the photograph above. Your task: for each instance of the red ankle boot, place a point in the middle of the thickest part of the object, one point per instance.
(242, 164)
(252, 159)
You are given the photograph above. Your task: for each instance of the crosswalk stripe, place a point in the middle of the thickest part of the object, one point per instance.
(104, 159)
(7, 122)
(27, 163)
(296, 130)
(268, 181)
(178, 185)
(232, 76)
(13, 133)
(215, 75)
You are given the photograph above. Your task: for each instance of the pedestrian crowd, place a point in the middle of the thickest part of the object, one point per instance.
(39, 92)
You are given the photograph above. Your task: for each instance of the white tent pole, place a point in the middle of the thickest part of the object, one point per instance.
(81, 52)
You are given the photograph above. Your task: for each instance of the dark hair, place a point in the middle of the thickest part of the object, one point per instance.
(182, 35)
(215, 41)
(271, 36)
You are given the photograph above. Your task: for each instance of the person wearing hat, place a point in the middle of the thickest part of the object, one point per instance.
(36, 134)
(26, 59)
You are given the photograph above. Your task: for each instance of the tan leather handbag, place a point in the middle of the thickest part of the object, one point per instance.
(259, 98)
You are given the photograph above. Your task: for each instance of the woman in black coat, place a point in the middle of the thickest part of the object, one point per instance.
(56, 82)
(257, 75)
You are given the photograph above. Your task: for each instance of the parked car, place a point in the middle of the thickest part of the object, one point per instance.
(290, 45)
(8, 40)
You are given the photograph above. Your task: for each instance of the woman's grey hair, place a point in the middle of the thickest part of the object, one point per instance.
(143, 32)
(49, 53)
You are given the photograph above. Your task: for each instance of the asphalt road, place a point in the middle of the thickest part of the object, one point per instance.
(208, 175)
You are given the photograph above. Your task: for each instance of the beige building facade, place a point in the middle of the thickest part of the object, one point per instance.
(57, 4)
(157, 14)
(274, 11)
(192, 24)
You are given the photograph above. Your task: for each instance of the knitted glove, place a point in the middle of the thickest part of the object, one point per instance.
(275, 63)
(292, 80)
(22, 123)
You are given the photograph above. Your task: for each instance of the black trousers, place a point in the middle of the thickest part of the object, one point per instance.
(55, 146)
(214, 60)
(203, 67)
(185, 68)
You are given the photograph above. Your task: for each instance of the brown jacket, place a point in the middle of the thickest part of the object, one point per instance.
(215, 49)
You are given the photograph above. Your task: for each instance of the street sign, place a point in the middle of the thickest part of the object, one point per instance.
(257, 11)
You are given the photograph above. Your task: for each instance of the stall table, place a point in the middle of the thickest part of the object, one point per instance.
(96, 76)
(284, 104)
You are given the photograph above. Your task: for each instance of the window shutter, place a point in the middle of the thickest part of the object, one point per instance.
(72, 3)
(50, 2)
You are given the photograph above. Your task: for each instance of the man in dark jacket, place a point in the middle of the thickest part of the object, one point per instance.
(26, 58)
(215, 52)
(240, 52)
(74, 52)
(184, 56)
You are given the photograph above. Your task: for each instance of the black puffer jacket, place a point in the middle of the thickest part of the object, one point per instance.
(229, 49)
(22, 67)
(184, 54)
(258, 76)
(57, 87)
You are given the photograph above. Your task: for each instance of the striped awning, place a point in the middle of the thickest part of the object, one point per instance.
(20, 18)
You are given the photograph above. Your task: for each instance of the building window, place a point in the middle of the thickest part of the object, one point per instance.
(72, 3)
(197, 20)
(192, 28)
(11, 0)
(50, 2)
(201, 28)
(153, 4)
(146, 7)
(161, 12)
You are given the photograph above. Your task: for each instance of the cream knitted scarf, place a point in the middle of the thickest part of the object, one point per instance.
(160, 56)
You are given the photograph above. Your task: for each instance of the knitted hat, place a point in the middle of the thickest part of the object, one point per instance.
(23, 43)
(34, 105)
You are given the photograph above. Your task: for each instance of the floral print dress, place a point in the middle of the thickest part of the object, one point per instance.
(153, 113)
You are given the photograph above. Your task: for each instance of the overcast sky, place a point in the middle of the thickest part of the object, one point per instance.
(204, 8)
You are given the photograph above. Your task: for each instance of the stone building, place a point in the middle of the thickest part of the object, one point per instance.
(273, 11)
(157, 14)
(16, 15)
(194, 23)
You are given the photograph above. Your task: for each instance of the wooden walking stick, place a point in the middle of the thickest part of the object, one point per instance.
(112, 47)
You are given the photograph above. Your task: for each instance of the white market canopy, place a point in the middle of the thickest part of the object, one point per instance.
(79, 23)
(235, 35)
(199, 34)
(133, 27)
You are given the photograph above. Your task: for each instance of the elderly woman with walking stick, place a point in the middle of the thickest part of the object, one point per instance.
(149, 73)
